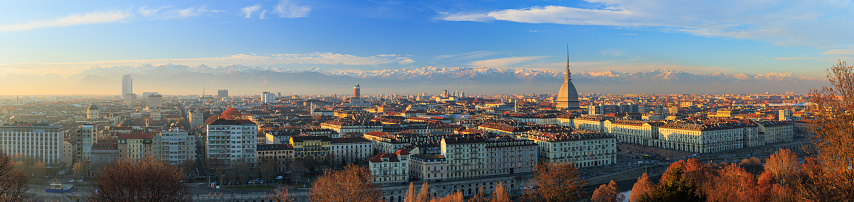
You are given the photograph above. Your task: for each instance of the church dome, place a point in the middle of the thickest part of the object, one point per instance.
(92, 107)
(231, 114)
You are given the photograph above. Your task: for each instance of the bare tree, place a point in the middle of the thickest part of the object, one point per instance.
(144, 180)
(353, 183)
(13, 182)
(410, 193)
(281, 194)
(555, 182)
(500, 194)
(783, 164)
(424, 193)
(455, 197)
(834, 125)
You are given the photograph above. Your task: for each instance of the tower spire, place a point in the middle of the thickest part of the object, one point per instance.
(568, 74)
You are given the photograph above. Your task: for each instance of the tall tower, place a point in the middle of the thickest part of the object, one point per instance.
(567, 98)
(127, 84)
(357, 91)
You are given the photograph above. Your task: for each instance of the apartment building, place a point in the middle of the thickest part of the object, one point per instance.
(43, 142)
(582, 148)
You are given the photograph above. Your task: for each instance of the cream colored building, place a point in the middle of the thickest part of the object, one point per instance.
(777, 131)
(700, 138)
(596, 123)
(480, 156)
(634, 132)
(428, 167)
(42, 142)
(390, 168)
(583, 148)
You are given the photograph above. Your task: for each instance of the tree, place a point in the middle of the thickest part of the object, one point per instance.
(555, 182)
(189, 167)
(424, 194)
(675, 185)
(783, 164)
(752, 165)
(812, 184)
(732, 183)
(410, 193)
(833, 125)
(642, 187)
(38, 169)
(607, 193)
(13, 182)
(480, 196)
(500, 194)
(455, 197)
(280, 194)
(80, 169)
(143, 180)
(353, 183)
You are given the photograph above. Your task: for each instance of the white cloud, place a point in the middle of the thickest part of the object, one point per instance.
(243, 59)
(469, 55)
(822, 24)
(263, 15)
(193, 11)
(71, 20)
(846, 51)
(504, 62)
(289, 9)
(150, 12)
(247, 11)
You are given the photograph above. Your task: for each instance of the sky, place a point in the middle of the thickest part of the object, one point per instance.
(729, 36)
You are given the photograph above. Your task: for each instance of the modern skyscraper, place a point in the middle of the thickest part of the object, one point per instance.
(221, 94)
(567, 98)
(357, 91)
(268, 97)
(127, 84)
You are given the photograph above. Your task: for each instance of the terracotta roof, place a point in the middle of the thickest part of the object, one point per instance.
(381, 156)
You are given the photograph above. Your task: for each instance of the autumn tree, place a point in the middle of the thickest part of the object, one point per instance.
(676, 185)
(752, 165)
(480, 196)
(410, 193)
(833, 116)
(607, 193)
(500, 194)
(642, 187)
(143, 180)
(13, 182)
(280, 194)
(733, 183)
(813, 184)
(455, 197)
(353, 183)
(424, 193)
(555, 182)
(783, 164)
(80, 169)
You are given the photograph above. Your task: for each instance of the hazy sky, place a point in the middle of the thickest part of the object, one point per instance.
(730, 36)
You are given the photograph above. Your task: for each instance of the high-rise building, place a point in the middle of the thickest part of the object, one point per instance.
(84, 138)
(567, 98)
(231, 141)
(155, 100)
(221, 94)
(127, 84)
(357, 91)
(175, 147)
(42, 142)
(268, 97)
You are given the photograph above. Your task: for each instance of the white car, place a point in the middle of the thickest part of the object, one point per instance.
(71, 180)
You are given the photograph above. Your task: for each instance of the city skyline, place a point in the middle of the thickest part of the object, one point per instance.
(58, 40)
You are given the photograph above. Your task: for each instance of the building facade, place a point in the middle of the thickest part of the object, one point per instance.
(480, 156)
(175, 147)
(579, 147)
(44, 143)
(231, 141)
(351, 150)
(390, 168)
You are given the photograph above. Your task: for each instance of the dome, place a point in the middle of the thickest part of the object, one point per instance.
(92, 107)
(231, 114)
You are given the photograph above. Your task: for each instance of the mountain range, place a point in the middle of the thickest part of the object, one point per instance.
(239, 79)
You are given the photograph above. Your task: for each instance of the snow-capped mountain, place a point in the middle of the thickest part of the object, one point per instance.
(181, 79)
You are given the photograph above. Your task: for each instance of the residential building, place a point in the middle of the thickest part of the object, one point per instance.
(351, 150)
(278, 154)
(135, 146)
(318, 147)
(701, 137)
(231, 141)
(582, 148)
(84, 137)
(175, 147)
(428, 167)
(45, 143)
(390, 168)
(777, 131)
(481, 156)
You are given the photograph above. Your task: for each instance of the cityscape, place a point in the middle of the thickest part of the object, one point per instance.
(570, 106)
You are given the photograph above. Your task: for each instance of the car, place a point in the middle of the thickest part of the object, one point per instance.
(71, 181)
(80, 180)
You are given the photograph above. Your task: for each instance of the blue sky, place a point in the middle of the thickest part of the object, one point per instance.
(729, 36)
